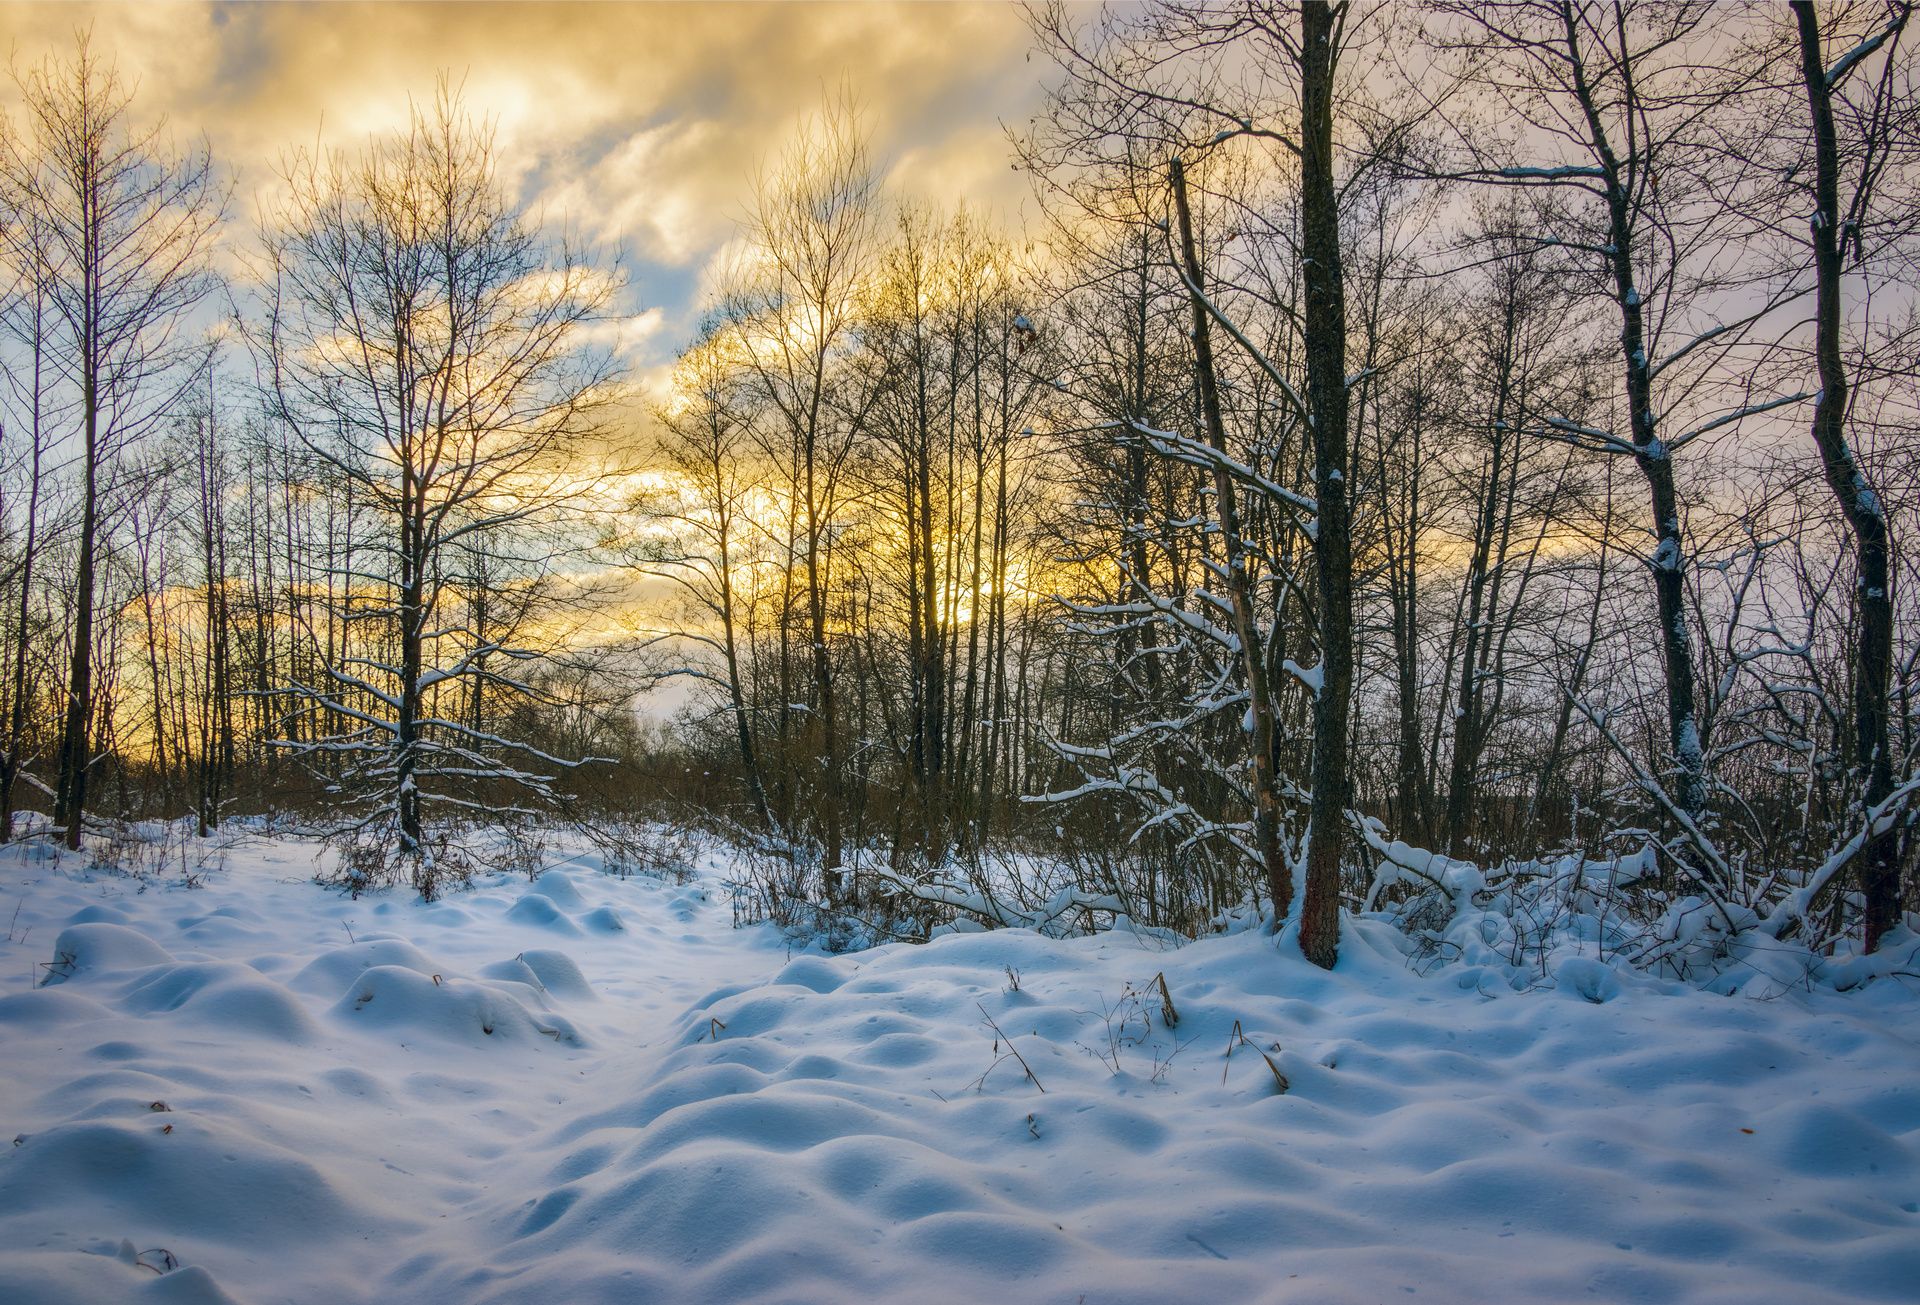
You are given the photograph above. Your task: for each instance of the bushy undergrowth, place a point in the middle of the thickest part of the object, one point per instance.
(1565, 919)
(1571, 919)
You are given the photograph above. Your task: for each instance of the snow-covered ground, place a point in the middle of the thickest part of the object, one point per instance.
(593, 1090)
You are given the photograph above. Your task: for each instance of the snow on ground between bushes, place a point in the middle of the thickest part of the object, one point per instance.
(592, 1090)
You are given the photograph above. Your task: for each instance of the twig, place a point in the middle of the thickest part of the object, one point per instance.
(1167, 1012)
(1238, 1038)
(1011, 1051)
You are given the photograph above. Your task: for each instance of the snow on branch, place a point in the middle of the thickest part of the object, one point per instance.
(1200, 453)
(999, 913)
(1852, 59)
(1739, 414)
(1877, 821)
(1590, 438)
(1253, 351)
(1690, 830)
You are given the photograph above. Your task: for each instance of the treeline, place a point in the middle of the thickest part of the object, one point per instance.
(1476, 427)
(1404, 437)
(294, 541)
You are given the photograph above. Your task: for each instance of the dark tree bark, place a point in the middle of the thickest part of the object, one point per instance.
(1325, 345)
(1866, 517)
(1651, 454)
(75, 760)
(1246, 623)
(11, 760)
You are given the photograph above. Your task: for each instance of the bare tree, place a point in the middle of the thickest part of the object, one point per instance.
(1617, 119)
(1282, 93)
(1831, 227)
(698, 530)
(426, 348)
(127, 223)
(794, 308)
(33, 402)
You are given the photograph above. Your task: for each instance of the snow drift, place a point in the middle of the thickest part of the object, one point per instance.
(260, 1091)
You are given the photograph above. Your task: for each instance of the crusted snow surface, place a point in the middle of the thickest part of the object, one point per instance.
(262, 1091)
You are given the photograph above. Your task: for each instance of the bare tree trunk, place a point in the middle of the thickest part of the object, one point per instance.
(412, 623)
(826, 727)
(152, 591)
(1866, 518)
(17, 706)
(1576, 680)
(1467, 731)
(1325, 341)
(70, 799)
(742, 721)
(1651, 455)
(1246, 623)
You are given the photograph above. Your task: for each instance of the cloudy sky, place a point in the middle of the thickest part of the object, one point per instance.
(641, 124)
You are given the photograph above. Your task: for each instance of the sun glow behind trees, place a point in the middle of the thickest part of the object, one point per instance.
(961, 530)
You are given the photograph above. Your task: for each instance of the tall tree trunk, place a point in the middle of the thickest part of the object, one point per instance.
(1246, 623)
(826, 726)
(1409, 776)
(1467, 732)
(1651, 454)
(17, 702)
(742, 722)
(1325, 346)
(406, 725)
(71, 794)
(1866, 518)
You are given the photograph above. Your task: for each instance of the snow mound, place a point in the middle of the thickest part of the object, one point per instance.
(83, 1278)
(225, 993)
(99, 913)
(547, 972)
(101, 948)
(48, 1008)
(687, 902)
(1583, 976)
(331, 971)
(172, 1173)
(558, 889)
(225, 924)
(604, 919)
(396, 1000)
(538, 910)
